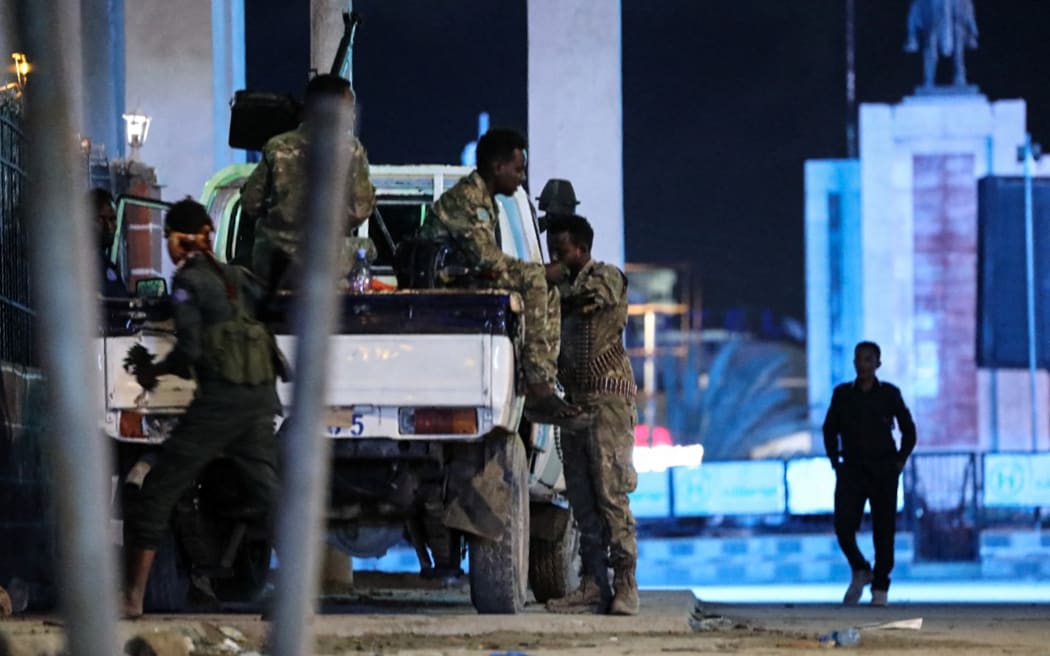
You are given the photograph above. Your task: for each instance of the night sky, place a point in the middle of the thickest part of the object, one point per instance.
(723, 102)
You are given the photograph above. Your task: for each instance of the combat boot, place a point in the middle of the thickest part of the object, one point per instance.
(625, 602)
(587, 598)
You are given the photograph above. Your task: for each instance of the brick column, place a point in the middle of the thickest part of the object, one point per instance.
(945, 289)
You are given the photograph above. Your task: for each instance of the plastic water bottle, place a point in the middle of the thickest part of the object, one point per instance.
(361, 273)
(847, 637)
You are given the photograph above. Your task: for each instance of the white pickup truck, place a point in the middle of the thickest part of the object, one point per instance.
(424, 412)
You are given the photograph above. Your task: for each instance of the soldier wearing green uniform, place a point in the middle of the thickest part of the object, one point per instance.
(467, 215)
(274, 195)
(234, 360)
(597, 375)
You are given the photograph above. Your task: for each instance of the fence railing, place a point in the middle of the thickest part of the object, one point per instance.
(16, 303)
(945, 499)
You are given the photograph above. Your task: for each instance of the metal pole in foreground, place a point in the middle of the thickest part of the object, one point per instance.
(66, 294)
(306, 461)
(1029, 247)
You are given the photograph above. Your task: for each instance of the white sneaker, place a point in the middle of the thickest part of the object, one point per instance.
(861, 578)
(879, 598)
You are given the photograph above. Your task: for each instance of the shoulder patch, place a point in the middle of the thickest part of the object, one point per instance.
(111, 275)
(483, 215)
(180, 295)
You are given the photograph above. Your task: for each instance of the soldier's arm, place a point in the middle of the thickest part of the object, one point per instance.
(254, 191)
(361, 198)
(469, 231)
(188, 323)
(604, 288)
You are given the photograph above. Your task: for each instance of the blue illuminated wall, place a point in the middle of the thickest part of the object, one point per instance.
(834, 277)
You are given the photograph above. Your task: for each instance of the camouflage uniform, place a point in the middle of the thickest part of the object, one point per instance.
(275, 196)
(468, 214)
(597, 376)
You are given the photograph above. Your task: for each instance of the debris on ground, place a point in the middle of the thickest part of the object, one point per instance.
(913, 624)
(159, 643)
(701, 620)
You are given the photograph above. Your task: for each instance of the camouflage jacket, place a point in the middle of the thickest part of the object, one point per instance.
(592, 360)
(468, 214)
(275, 193)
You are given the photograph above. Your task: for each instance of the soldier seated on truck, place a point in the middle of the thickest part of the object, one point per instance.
(467, 216)
(274, 195)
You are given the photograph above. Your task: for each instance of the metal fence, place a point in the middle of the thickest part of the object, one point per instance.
(16, 313)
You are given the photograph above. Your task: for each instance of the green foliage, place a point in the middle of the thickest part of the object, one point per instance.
(742, 405)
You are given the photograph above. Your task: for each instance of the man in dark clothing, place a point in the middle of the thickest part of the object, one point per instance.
(858, 439)
(101, 203)
(234, 361)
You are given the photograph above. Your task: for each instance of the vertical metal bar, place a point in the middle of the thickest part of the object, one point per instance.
(1029, 248)
(851, 81)
(66, 295)
(306, 458)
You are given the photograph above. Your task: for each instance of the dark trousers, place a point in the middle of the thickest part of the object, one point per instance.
(855, 483)
(209, 430)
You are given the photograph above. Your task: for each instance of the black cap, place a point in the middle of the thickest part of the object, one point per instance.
(558, 197)
(186, 216)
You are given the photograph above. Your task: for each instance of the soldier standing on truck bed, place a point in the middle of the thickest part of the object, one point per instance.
(235, 362)
(593, 366)
(274, 194)
(468, 216)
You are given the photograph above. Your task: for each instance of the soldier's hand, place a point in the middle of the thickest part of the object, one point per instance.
(146, 377)
(137, 356)
(556, 272)
(139, 363)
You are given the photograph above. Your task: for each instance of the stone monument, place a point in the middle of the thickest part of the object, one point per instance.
(942, 28)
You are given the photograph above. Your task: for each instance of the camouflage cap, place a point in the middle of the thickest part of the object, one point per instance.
(558, 197)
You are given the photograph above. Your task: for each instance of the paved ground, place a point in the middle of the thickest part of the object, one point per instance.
(390, 617)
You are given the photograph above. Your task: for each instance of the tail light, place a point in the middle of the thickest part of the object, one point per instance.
(438, 421)
(131, 425)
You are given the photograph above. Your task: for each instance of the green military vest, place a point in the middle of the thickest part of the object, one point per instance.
(240, 350)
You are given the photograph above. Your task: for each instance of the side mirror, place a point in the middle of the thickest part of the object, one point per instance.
(151, 288)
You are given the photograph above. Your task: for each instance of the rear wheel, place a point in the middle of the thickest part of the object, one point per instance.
(554, 563)
(499, 568)
(251, 567)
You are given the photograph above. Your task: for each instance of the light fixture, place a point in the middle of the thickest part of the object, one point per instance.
(136, 126)
(22, 68)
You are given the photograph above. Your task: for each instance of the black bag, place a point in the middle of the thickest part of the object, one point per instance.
(256, 116)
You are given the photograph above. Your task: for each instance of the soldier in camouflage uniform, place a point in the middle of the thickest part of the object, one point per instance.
(234, 360)
(467, 215)
(274, 194)
(597, 375)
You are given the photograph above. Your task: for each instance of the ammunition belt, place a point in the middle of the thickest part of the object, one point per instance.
(611, 386)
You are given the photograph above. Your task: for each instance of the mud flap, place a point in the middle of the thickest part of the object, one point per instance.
(479, 502)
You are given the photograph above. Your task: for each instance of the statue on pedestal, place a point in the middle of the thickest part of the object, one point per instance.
(941, 28)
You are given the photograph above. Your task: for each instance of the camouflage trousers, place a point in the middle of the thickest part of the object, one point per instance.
(541, 314)
(599, 472)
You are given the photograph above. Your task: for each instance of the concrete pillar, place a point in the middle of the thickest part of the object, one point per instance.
(183, 63)
(326, 28)
(102, 50)
(227, 67)
(576, 110)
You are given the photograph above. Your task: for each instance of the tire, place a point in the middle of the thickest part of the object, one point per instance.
(251, 569)
(499, 568)
(169, 582)
(554, 565)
